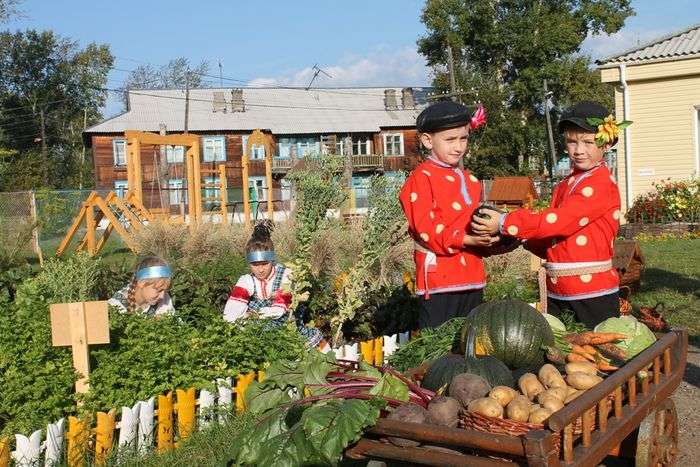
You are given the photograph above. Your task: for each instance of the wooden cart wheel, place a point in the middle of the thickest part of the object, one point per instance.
(657, 442)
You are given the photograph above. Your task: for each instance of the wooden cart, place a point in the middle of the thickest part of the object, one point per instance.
(640, 423)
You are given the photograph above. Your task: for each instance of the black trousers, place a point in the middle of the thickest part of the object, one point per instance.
(441, 307)
(590, 311)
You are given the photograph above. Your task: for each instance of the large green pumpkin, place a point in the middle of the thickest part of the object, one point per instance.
(510, 330)
(490, 368)
(442, 370)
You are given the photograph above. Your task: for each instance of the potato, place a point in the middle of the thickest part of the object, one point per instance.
(580, 380)
(519, 409)
(486, 406)
(550, 377)
(530, 385)
(465, 387)
(503, 394)
(559, 393)
(573, 396)
(444, 411)
(408, 413)
(534, 407)
(570, 391)
(539, 416)
(582, 367)
(552, 403)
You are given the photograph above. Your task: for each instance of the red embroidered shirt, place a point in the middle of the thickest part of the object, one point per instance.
(438, 201)
(578, 229)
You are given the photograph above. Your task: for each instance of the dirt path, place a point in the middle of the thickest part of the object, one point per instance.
(687, 399)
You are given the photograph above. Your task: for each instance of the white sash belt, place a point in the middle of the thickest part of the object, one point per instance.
(577, 269)
(430, 261)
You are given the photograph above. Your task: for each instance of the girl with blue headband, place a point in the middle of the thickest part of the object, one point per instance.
(265, 292)
(147, 293)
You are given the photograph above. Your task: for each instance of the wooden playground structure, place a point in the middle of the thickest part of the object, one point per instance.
(129, 214)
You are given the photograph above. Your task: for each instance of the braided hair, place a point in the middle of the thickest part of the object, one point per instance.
(261, 238)
(131, 289)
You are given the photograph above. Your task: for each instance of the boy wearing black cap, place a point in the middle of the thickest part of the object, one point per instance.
(438, 199)
(576, 233)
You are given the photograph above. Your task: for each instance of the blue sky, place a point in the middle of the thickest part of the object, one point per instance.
(358, 42)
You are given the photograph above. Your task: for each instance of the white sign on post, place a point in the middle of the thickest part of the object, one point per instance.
(79, 325)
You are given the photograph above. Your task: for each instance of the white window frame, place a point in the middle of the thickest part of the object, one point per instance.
(386, 137)
(121, 187)
(177, 193)
(308, 146)
(119, 159)
(174, 154)
(211, 192)
(213, 141)
(358, 141)
(285, 189)
(260, 184)
(285, 143)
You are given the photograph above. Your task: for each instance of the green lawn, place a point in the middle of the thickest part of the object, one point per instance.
(672, 276)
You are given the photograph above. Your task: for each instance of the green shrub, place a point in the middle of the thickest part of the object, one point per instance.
(669, 202)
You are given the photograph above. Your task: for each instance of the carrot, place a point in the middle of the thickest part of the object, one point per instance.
(590, 349)
(604, 366)
(576, 357)
(613, 351)
(594, 338)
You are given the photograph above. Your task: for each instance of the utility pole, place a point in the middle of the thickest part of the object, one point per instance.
(550, 135)
(451, 68)
(221, 74)
(187, 98)
(82, 156)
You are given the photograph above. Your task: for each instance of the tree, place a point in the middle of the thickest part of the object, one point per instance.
(8, 9)
(48, 89)
(173, 75)
(504, 50)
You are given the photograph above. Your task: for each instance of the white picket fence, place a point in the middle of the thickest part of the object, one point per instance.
(137, 428)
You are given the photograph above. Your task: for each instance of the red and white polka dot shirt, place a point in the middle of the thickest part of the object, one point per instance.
(438, 201)
(577, 230)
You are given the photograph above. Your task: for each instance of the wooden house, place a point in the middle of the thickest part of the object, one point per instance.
(375, 127)
(512, 192)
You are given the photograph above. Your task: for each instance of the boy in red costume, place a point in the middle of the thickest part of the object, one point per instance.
(438, 200)
(576, 233)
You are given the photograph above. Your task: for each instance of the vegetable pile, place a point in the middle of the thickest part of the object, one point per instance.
(310, 410)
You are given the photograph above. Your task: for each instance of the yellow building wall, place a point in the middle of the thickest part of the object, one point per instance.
(664, 136)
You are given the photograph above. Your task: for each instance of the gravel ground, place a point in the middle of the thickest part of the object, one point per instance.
(687, 399)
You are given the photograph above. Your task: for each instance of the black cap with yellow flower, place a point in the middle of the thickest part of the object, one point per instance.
(595, 118)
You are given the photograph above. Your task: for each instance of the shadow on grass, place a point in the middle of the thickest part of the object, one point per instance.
(655, 278)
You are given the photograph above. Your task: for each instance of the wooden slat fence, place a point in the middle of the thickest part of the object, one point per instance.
(157, 423)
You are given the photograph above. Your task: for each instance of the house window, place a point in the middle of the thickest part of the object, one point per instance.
(361, 145)
(308, 147)
(174, 154)
(176, 191)
(285, 148)
(119, 151)
(211, 192)
(258, 188)
(393, 144)
(214, 148)
(120, 187)
(286, 189)
(257, 151)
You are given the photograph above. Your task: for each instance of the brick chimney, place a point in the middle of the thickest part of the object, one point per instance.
(390, 102)
(237, 102)
(407, 101)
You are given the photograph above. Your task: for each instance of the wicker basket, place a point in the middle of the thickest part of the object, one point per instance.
(501, 426)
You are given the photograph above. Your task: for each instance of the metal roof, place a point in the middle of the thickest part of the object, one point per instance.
(280, 110)
(681, 44)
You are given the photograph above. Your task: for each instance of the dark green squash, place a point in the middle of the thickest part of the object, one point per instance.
(511, 331)
(490, 368)
(442, 370)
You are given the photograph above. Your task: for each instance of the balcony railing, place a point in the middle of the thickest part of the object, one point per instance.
(359, 161)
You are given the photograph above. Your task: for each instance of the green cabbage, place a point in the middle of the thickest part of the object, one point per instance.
(555, 323)
(639, 337)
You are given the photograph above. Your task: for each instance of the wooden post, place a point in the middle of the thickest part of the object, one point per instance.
(90, 228)
(367, 351)
(223, 192)
(268, 178)
(78, 325)
(133, 168)
(35, 230)
(246, 194)
(4, 452)
(197, 181)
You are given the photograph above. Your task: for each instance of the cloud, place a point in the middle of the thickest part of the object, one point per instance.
(382, 67)
(603, 45)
